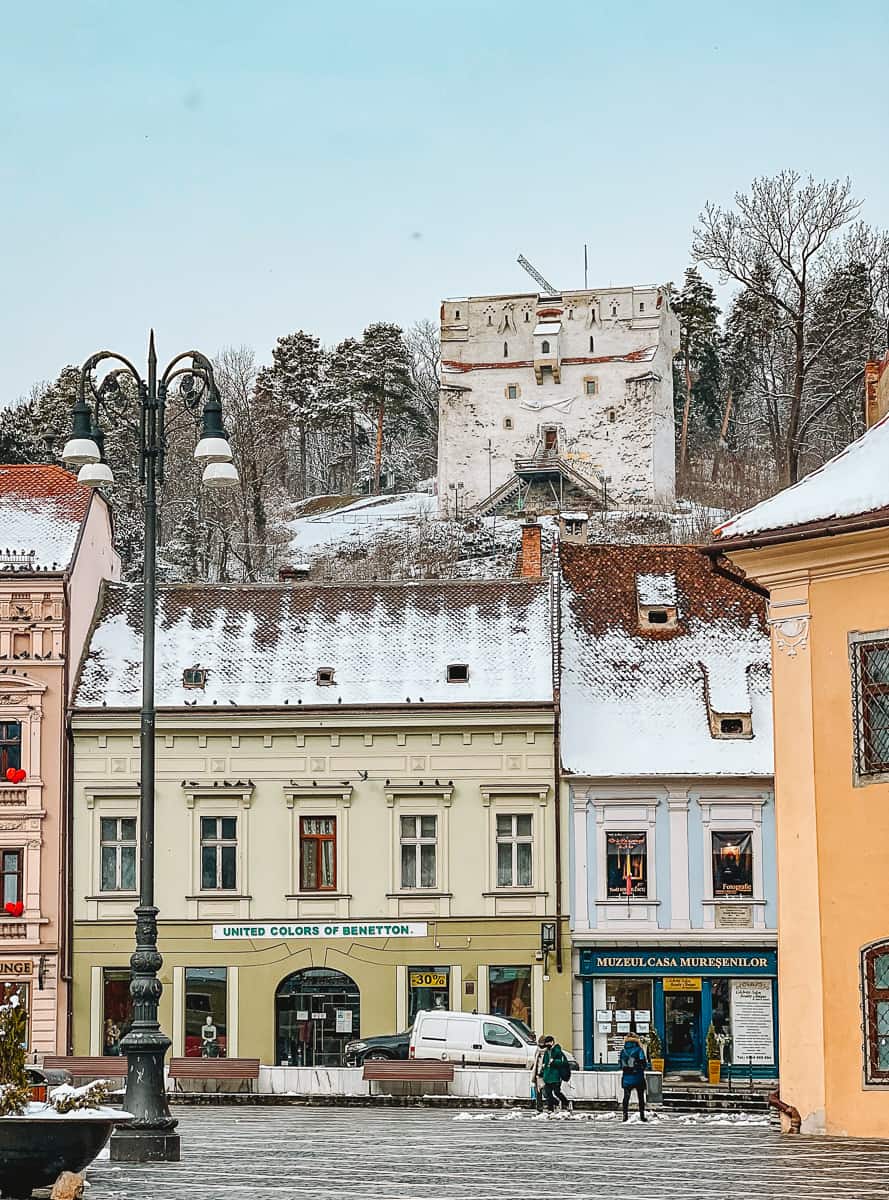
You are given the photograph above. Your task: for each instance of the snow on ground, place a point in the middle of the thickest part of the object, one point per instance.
(362, 521)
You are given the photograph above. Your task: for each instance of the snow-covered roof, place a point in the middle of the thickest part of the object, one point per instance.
(387, 643)
(852, 484)
(656, 589)
(547, 327)
(634, 700)
(42, 508)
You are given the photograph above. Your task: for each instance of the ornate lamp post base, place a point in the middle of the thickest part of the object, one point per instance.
(144, 1146)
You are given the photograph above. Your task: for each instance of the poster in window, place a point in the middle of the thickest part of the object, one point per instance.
(752, 1022)
(627, 864)
(732, 865)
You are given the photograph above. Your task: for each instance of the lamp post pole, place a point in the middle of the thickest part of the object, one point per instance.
(151, 1136)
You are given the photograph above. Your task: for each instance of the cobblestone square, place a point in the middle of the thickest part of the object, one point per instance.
(236, 1153)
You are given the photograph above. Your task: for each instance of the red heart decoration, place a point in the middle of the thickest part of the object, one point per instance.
(15, 774)
(15, 909)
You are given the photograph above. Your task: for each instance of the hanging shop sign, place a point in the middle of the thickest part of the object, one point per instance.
(288, 929)
(664, 961)
(753, 1027)
(682, 983)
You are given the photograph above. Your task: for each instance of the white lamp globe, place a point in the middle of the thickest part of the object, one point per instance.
(213, 449)
(220, 475)
(79, 450)
(96, 474)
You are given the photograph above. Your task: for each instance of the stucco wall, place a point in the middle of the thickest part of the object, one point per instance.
(832, 836)
(96, 560)
(636, 449)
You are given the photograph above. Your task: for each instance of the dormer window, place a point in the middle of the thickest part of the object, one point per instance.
(194, 677)
(656, 601)
(324, 677)
(731, 725)
(458, 672)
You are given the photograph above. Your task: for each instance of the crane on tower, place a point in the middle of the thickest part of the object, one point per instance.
(547, 287)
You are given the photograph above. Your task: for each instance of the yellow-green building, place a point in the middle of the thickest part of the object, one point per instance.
(356, 814)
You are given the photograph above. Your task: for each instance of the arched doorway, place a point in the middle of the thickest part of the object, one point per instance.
(317, 1011)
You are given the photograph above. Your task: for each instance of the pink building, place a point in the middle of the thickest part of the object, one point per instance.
(55, 550)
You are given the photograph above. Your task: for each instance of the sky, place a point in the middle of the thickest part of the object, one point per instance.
(229, 171)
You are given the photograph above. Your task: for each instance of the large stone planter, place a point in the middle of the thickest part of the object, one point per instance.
(35, 1150)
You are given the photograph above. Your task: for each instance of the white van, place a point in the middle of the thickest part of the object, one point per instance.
(472, 1039)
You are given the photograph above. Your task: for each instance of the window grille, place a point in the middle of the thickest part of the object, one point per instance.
(870, 705)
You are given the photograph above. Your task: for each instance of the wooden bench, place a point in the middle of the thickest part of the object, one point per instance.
(401, 1074)
(114, 1066)
(244, 1069)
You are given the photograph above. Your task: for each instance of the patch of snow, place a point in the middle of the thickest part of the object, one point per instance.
(41, 526)
(656, 589)
(357, 523)
(855, 482)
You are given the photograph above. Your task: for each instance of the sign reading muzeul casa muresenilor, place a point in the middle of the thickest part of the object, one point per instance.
(346, 929)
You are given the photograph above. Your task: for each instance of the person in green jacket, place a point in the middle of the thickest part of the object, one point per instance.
(554, 1062)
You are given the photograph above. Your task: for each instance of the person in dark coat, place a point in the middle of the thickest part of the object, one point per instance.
(551, 1073)
(632, 1064)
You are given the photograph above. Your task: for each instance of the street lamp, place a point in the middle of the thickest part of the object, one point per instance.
(152, 1136)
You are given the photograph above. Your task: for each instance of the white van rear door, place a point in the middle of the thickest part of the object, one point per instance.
(464, 1040)
(429, 1038)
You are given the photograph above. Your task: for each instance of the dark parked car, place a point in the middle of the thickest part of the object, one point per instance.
(374, 1049)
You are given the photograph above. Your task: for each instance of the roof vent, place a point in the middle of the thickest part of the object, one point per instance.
(324, 677)
(458, 672)
(656, 601)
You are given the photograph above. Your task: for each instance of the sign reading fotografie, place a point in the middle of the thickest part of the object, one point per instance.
(259, 930)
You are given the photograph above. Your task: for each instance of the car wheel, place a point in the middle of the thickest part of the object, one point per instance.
(377, 1056)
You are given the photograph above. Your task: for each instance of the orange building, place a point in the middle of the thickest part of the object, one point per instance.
(821, 549)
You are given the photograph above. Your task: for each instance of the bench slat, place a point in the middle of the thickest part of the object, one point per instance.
(114, 1066)
(424, 1069)
(214, 1068)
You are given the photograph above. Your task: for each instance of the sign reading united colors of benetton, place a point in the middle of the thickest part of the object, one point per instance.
(289, 929)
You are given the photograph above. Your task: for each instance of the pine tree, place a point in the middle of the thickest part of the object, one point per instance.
(298, 364)
(343, 387)
(385, 382)
(698, 316)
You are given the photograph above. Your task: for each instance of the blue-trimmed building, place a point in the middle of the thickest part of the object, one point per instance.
(667, 751)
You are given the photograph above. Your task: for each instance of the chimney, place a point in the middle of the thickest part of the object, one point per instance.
(531, 549)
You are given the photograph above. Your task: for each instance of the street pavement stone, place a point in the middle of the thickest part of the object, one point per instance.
(303, 1153)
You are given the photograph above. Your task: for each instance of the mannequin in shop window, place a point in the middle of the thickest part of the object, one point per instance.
(209, 1043)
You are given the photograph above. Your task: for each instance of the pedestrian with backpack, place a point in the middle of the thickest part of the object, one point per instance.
(554, 1071)
(632, 1064)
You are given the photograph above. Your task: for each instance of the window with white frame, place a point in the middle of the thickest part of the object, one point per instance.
(514, 849)
(219, 853)
(11, 877)
(117, 854)
(419, 851)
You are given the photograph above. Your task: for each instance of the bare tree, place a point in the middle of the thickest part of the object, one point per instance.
(786, 225)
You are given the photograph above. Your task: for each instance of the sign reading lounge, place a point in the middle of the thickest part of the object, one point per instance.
(287, 929)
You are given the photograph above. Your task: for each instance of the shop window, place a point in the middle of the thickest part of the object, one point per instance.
(732, 864)
(118, 854)
(10, 746)
(206, 1021)
(428, 988)
(317, 1012)
(721, 991)
(875, 983)
(514, 849)
(419, 836)
(23, 992)
(870, 706)
(219, 853)
(317, 854)
(11, 862)
(509, 992)
(628, 1002)
(627, 864)
(458, 672)
(117, 1009)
